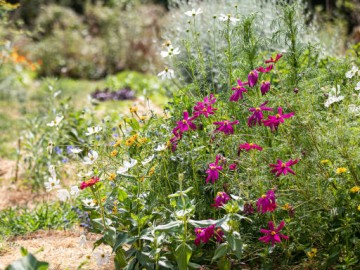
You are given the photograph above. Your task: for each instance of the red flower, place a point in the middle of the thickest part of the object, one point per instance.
(272, 60)
(213, 171)
(265, 87)
(257, 115)
(232, 167)
(274, 121)
(273, 234)
(221, 199)
(283, 168)
(226, 126)
(265, 70)
(253, 77)
(248, 146)
(266, 203)
(205, 234)
(205, 106)
(239, 90)
(186, 123)
(88, 183)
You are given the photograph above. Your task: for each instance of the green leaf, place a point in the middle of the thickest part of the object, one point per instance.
(224, 264)
(235, 244)
(183, 254)
(122, 195)
(28, 262)
(220, 251)
(121, 239)
(172, 226)
(120, 259)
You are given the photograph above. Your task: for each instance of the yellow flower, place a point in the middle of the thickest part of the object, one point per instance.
(312, 253)
(324, 161)
(341, 170)
(115, 210)
(286, 206)
(103, 199)
(151, 171)
(143, 117)
(114, 153)
(358, 208)
(142, 179)
(133, 109)
(355, 189)
(112, 176)
(129, 142)
(118, 143)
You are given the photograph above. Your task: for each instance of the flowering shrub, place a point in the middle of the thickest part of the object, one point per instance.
(179, 190)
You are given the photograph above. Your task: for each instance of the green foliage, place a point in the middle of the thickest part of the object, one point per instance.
(19, 221)
(27, 262)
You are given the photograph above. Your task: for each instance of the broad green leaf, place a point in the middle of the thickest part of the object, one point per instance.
(172, 226)
(122, 195)
(183, 254)
(220, 251)
(120, 259)
(28, 262)
(235, 243)
(121, 239)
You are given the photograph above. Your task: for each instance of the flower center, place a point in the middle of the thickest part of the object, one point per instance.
(273, 233)
(251, 144)
(204, 110)
(257, 109)
(184, 121)
(283, 165)
(212, 167)
(198, 230)
(226, 122)
(263, 196)
(278, 116)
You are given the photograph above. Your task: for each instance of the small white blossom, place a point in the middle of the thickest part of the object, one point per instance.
(147, 160)
(354, 109)
(352, 72)
(127, 166)
(91, 158)
(102, 257)
(357, 87)
(82, 241)
(88, 202)
(93, 130)
(160, 148)
(75, 150)
(193, 12)
(63, 195)
(334, 96)
(167, 73)
(74, 191)
(52, 183)
(122, 170)
(170, 52)
(56, 122)
(225, 18)
(85, 174)
(52, 171)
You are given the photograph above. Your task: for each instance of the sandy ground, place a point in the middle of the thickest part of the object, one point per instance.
(61, 249)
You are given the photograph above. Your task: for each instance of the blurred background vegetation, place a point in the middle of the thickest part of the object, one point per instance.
(94, 38)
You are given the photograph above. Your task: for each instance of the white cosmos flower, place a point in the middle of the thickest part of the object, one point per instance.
(334, 96)
(352, 72)
(93, 130)
(88, 202)
(225, 18)
(75, 150)
(357, 87)
(354, 109)
(193, 12)
(82, 241)
(167, 73)
(92, 156)
(74, 191)
(52, 183)
(127, 166)
(63, 195)
(160, 148)
(85, 174)
(102, 257)
(147, 160)
(56, 122)
(170, 52)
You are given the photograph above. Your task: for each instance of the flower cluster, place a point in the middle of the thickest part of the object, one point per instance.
(205, 234)
(220, 199)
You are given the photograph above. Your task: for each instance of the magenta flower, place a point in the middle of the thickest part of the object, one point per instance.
(272, 60)
(265, 87)
(266, 69)
(248, 146)
(204, 234)
(186, 123)
(253, 77)
(220, 199)
(218, 234)
(257, 115)
(266, 203)
(205, 107)
(283, 168)
(274, 121)
(226, 126)
(273, 234)
(213, 171)
(239, 90)
(232, 167)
